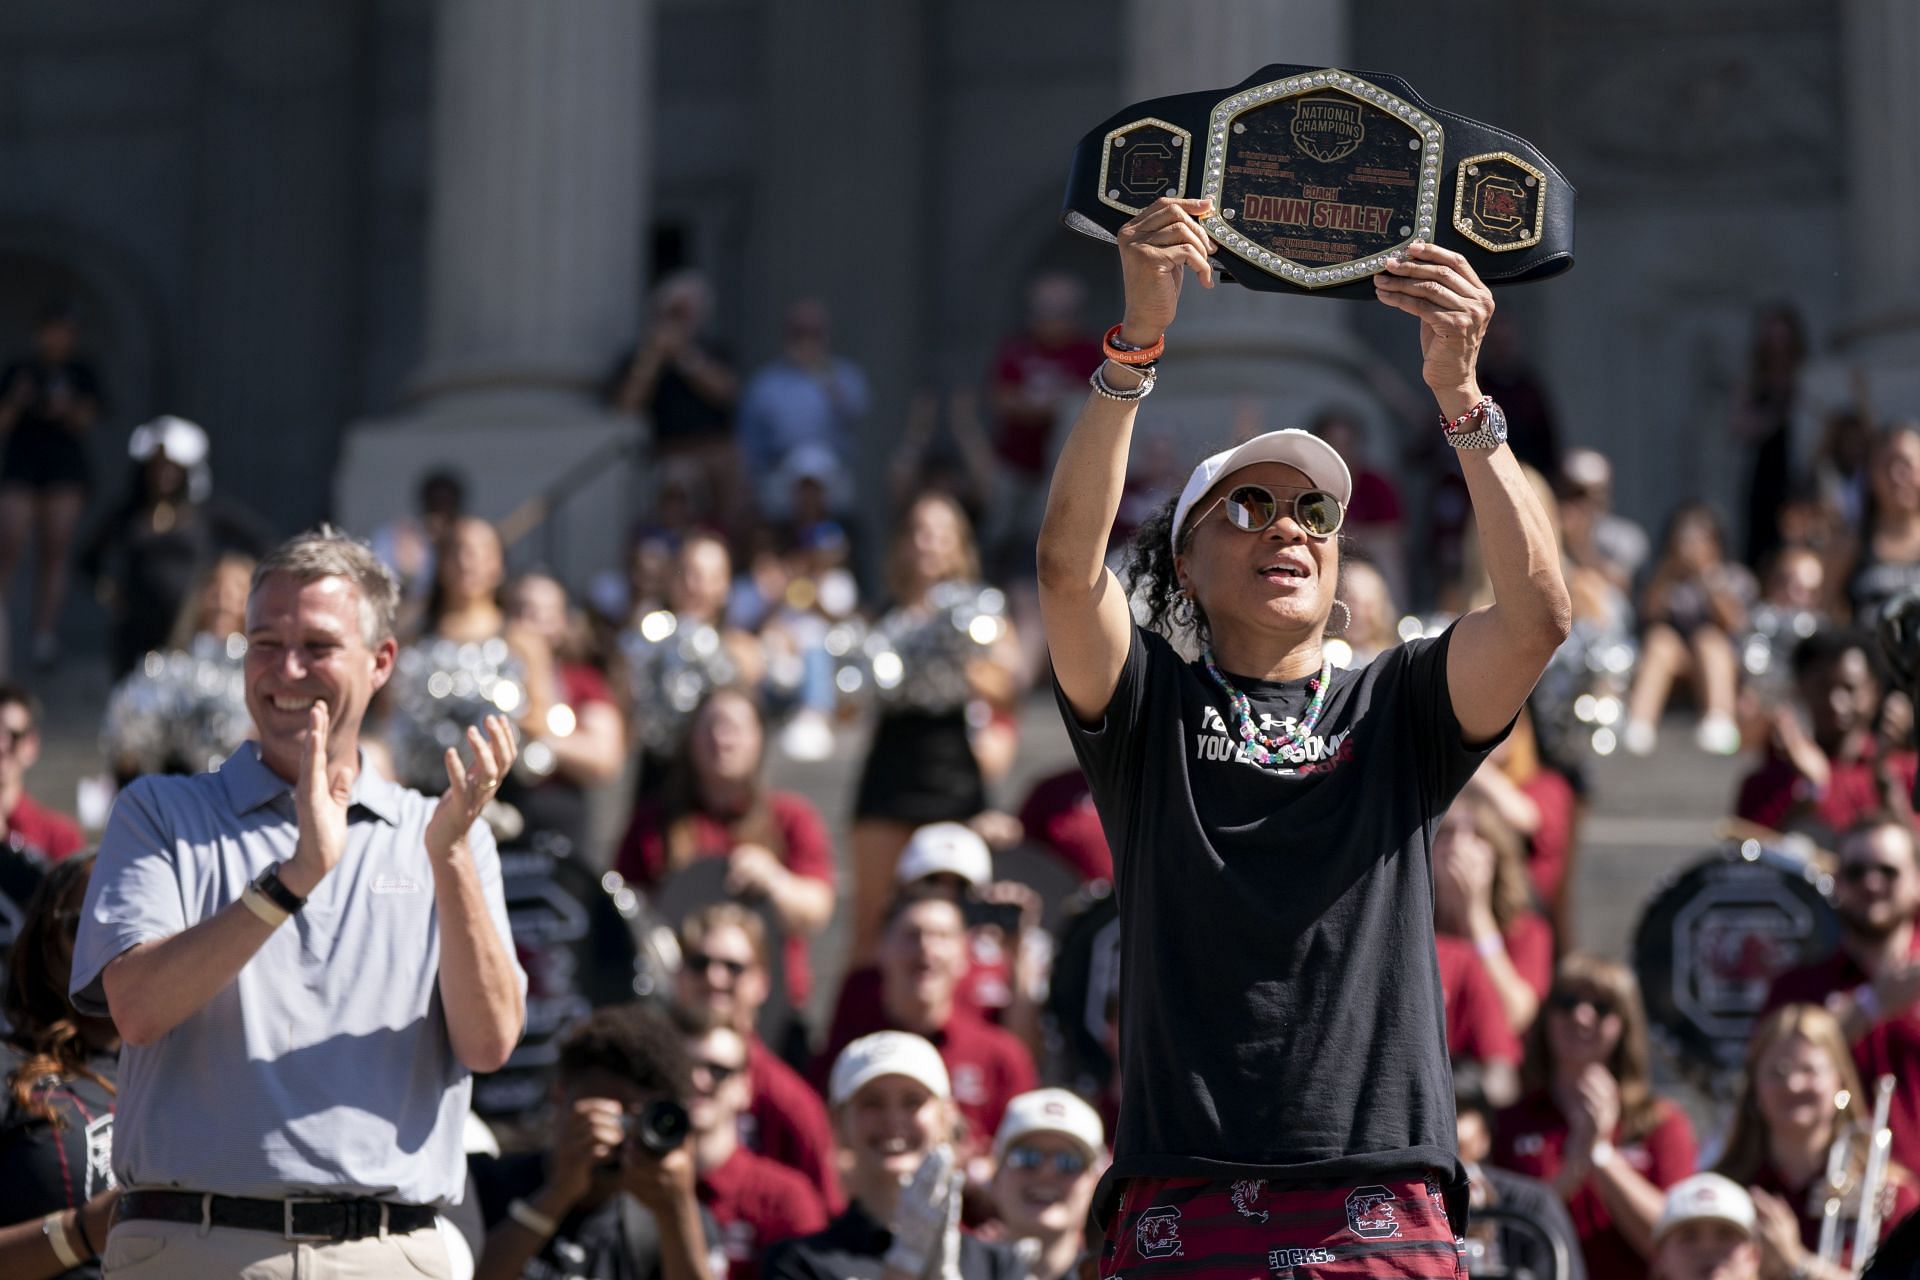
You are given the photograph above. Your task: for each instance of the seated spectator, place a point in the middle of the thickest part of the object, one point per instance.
(1500, 1249)
(1871, 982)
(1693, 606)
(1035, 372)
(1589, 1122)
(1821, 774)
(1372, 619)
(894, 1115)
(1047, 1160)
(805, 396)
(1596, 538)
(30, 826)
(724, 970)
(923, 957)
(409, 544)
(1478, 1032)
(597, 1202)
(1537, 801)
(1481, 894)
(1059, 814)
(1707, 1231)
(56, 1120)
(715, 803)
(44, 1248)
(757, 1202)
(1797, 1092)
(216, 609)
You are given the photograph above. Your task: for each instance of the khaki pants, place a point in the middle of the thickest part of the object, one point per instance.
(141, 1249)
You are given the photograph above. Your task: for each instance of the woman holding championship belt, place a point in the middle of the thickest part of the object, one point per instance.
(1287, 1101)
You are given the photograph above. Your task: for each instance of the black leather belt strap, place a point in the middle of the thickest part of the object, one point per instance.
(296, 1218)
(1506, 250)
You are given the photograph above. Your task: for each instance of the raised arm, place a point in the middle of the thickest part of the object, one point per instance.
(1082, 604)
(1497, 652)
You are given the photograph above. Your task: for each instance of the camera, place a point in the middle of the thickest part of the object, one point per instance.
(658, 1129)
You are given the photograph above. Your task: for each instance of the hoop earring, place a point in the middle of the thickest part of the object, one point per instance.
(1183, 611)
(1346, 619)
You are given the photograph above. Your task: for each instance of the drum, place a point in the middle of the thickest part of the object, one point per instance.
(585, 939)
(1711, 940)
(1085, 985)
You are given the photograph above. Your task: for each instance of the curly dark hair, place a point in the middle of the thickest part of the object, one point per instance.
(638, 1042)
(34, 1000)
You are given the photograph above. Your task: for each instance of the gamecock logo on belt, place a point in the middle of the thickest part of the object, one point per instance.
(1371, 1214)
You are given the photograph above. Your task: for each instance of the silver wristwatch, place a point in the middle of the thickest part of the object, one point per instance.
(1488, 428)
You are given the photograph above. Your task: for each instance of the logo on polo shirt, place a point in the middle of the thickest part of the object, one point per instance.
(1371, 1214)
(1156, 1233)
(395, 884)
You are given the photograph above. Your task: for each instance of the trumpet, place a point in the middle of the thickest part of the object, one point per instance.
(1840, 1184)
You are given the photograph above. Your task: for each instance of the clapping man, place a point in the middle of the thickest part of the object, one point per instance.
(306, 963)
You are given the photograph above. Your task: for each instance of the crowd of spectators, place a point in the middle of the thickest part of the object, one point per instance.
(880, 1027)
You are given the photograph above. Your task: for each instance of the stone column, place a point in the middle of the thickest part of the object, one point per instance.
(534, 265)
(1241, 359)
(1880, 49)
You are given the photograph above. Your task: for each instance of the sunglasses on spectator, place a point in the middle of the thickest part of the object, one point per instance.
(1861, 872)
(1024, 1159)
(702, 963)
(1253, 507)
(1570, 1002)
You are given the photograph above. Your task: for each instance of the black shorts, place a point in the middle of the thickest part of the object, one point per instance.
(920, 769)
(42, 456)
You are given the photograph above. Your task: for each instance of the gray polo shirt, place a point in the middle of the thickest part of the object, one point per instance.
(325, 1067)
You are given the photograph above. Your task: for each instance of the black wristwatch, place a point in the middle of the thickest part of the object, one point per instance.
(268, 883)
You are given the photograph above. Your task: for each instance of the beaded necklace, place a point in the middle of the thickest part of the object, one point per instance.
(1261, 748)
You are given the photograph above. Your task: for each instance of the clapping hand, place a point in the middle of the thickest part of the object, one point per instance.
(320, 798)
(472, 787)
(926, 1219)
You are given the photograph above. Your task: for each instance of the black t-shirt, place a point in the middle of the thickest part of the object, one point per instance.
(43, 1167)
(620, 1240)
(1280, 1005)
(853, 1245)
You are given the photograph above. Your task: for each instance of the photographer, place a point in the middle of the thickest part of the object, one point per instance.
(615, 1195)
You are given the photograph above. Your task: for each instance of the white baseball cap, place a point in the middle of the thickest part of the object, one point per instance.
(946, 846)
(184, 443)
(887, 1053)
(1319, 461)
(1051, 1111)
(1705, 1195)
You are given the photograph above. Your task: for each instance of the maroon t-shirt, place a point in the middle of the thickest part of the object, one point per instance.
(1047, 373)
(53, 834)
(1374, 500)
(1548, 846)
(1529, 940)
(806, 851)
(1059, 813)
(1891, 1045)
(787, 1123)
(758, 1202)
(1530, 1137)
(1477, 1026)
(988, 1066)
(1771, 793)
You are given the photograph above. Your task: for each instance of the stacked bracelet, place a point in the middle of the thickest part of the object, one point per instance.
(1100, 384)
(1123, 353)
(1454, 425)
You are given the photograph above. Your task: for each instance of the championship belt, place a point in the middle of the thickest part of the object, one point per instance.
(1317, 175)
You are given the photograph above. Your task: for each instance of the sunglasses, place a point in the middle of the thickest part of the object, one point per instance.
(1569, 1002)
(1861, 872)
(718, 1072)
(1253, 507)
(702, 963)
(1068, 1164)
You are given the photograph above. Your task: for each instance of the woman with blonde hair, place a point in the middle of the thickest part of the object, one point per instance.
(1799, 1091)
(1588, 1121)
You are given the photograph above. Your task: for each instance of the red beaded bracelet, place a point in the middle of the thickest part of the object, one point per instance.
(1459, 424)
(1140, 355)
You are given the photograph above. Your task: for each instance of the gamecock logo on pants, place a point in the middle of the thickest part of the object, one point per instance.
(1371, 1214)
(1156, 1233)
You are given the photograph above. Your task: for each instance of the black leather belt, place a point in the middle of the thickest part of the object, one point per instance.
(295, 1218)
(1497, 200)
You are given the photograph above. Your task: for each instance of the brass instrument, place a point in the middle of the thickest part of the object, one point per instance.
(1866, 1232)
(1840, 1188)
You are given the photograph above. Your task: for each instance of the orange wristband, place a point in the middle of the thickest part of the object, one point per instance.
(1119, 355)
